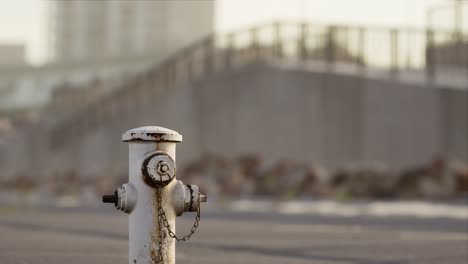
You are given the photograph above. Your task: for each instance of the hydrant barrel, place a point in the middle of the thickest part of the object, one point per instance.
(153, 197)
(143, 219)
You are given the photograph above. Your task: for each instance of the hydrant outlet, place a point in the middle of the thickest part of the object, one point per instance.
(193, 198)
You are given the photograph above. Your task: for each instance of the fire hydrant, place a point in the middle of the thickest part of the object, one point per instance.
(153, 197)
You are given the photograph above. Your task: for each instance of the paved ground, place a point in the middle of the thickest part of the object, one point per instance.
(100, 236)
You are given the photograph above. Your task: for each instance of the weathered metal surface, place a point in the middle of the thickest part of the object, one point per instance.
(143, 220)
(152, 133)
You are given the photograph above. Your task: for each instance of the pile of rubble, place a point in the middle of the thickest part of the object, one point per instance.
(247, 176)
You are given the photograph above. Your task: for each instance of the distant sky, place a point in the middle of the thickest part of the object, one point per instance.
(24, 21)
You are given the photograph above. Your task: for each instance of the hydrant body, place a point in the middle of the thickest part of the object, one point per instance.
(152, 171)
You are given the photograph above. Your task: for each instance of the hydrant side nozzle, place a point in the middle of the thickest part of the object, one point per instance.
(110, 199)
(126, 198)
(193, 198)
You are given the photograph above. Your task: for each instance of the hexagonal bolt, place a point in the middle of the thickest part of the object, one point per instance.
(163, 167)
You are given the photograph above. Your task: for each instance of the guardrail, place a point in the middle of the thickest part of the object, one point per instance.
(361, 50)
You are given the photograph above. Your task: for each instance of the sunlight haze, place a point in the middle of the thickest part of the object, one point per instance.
(24, 21)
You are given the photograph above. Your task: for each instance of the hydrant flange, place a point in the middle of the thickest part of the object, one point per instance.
(126, 198)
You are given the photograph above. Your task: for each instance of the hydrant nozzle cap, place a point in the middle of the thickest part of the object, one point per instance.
(152, 133)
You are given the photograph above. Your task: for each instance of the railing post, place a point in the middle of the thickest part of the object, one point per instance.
(362, 49)
(164, 76)
(113, 106)
(127, 100)
(430, 56)
(169, 74)
(138, 96)
(208, 52)
(330, 48)
(146, 88)
(254, 45)
(278, 50)
(98, 114)
(394, 52)
(107, 114)
(229, 51)
(173, 71)
(461, 58)
(302, 45)
(189, 67)
(154, 83)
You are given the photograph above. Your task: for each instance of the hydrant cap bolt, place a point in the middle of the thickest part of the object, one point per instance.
(152, 133)
(162, 167)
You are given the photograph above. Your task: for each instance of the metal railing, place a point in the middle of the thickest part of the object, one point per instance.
(364, 51)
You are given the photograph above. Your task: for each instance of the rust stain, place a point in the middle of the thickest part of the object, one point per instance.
(154, 235)
(157, 136)
(153, 136)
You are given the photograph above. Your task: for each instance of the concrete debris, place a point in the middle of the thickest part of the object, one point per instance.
(248, 176)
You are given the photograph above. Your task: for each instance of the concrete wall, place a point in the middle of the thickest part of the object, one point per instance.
(402, 123)
(278, 114)
(334, 120)
(454, 111)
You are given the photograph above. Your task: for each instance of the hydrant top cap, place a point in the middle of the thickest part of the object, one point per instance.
(152, 133)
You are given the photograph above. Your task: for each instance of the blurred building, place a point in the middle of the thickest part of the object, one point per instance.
(450, 15)
(12, 55)
(96, 30)
(100, 40)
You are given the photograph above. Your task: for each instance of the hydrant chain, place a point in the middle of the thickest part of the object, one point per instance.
(166, 224)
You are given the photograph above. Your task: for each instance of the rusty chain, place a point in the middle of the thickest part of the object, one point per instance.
(162, 220)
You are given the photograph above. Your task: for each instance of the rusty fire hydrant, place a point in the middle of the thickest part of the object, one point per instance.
(153, 197)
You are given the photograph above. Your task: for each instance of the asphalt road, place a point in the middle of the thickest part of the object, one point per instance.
(100, 236)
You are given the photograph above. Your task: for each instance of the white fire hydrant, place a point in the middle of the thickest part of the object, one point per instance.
(153, 197)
